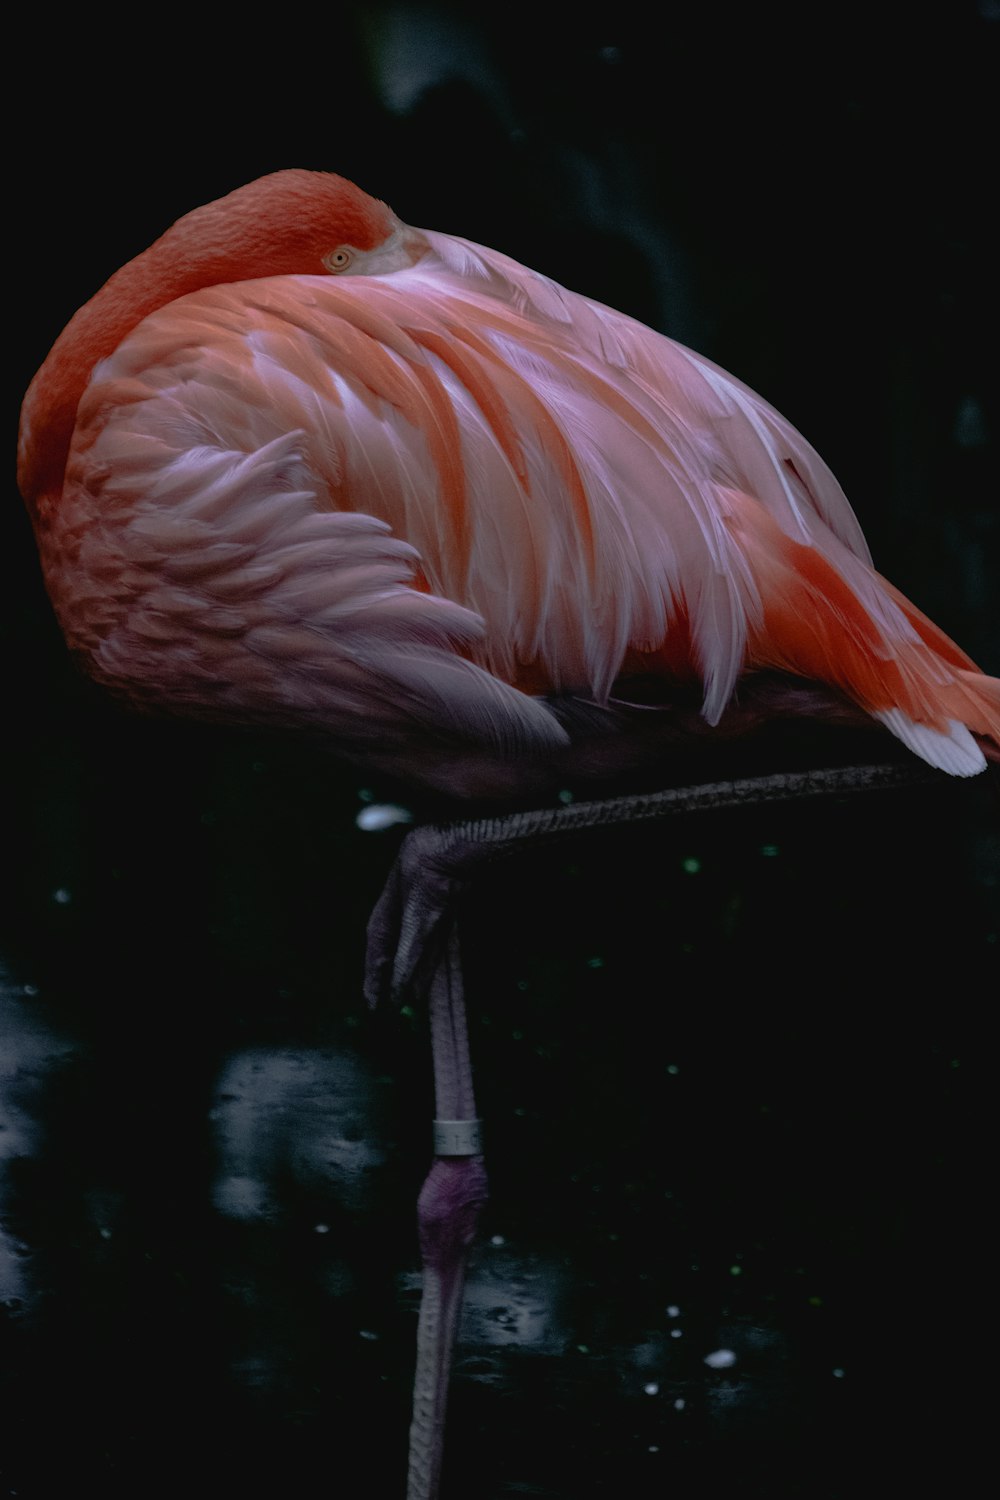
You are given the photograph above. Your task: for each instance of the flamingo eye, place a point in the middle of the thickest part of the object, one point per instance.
(338, 260)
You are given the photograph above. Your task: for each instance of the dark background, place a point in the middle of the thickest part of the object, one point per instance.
(733, 1068)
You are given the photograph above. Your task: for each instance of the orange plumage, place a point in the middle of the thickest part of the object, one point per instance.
(301, 464)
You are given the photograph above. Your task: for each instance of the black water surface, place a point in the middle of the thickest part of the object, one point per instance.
(732, 1079)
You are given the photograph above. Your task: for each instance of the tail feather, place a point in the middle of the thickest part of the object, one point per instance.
(953, 750)
(822, 620)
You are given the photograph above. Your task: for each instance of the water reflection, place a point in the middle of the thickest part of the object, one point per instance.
(222, 1243)
(289, 1116)
(30, 1051)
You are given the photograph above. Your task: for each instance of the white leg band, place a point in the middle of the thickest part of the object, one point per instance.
(457, 1138)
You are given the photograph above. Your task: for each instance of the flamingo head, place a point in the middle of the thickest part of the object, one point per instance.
(294, 222)
(291, 223)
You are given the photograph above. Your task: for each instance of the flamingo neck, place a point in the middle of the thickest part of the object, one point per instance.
(49, 412)
(282, 224)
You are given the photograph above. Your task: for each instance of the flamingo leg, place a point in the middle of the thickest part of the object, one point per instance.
(413, 951)
(448, 1209)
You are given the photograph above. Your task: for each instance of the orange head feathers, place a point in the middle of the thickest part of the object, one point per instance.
(289, 223)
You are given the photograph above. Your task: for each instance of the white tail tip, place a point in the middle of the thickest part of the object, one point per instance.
(955, 751)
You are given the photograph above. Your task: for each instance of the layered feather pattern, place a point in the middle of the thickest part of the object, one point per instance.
(425, 500)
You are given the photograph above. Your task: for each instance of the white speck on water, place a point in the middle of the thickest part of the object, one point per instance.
(565, 798)
(498, 1240)
(679, 1404)
(381, 815)
(838, 1373)
(651, 1388)
(691, 866)
(720, 1359)
(676, 1333)
(105, 1234)
(29, 989)
(653, 1448)
(366, 1333)
(321, 1229)
(62, 896)
(673, 1069)
(673, 1311)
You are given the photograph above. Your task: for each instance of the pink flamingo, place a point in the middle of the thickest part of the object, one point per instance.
(299, 464)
